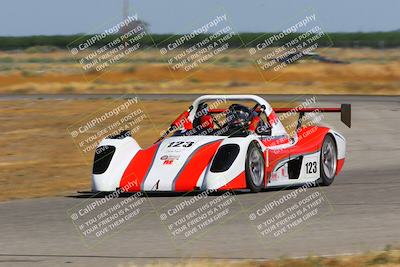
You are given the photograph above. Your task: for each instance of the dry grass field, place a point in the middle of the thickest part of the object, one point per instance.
(388, 258)
(367, 71)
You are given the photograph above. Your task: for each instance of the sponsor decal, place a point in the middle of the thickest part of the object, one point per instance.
(169, 159)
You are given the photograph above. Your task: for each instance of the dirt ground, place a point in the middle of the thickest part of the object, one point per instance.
(366, 71)
(387, 258)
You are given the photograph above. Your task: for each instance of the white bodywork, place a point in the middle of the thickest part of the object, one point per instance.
(165, 175)
(125, 149)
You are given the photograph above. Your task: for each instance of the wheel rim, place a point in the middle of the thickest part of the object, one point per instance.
(329, 159)
(256, 167)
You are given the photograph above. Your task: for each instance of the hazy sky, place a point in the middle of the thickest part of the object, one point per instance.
(48, 17)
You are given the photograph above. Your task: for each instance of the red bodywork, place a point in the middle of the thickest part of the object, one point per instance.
(310, 140)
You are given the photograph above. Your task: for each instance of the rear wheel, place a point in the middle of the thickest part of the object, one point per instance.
(328, 160)
(254, 168)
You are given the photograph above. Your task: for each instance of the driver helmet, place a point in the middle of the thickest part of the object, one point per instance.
(238, 115)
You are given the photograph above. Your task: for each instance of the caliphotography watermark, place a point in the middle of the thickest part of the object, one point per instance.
(288, 211)
(300, 121)
(201, 45)
(100, 217)
(193, 215)
(204, 121)
(123, 116)
(297, 42)
(96, 53)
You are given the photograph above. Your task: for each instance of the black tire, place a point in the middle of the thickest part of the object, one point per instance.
(328, 160)
(254, 168)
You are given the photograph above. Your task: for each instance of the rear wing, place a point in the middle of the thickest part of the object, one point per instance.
(345, 112)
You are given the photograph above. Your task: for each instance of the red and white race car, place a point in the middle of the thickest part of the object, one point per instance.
(232, 148)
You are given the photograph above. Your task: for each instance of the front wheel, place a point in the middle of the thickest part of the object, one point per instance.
(328, 160)
(254, 168)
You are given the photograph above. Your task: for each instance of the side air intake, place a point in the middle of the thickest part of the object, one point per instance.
(102, 158)
(225, 157)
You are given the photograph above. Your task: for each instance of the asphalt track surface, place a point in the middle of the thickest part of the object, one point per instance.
(361, 212)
